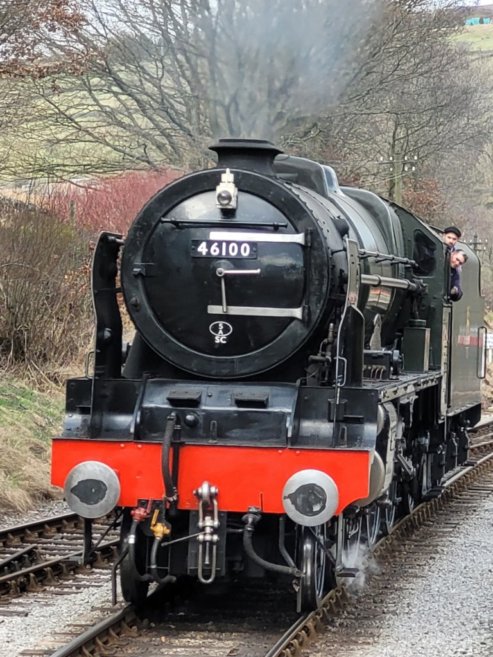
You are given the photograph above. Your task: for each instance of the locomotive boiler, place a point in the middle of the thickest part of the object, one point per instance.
(297, 379)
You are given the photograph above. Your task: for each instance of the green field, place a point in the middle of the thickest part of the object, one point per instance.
(479, 37)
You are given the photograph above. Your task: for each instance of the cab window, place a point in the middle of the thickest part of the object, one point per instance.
(424, 254)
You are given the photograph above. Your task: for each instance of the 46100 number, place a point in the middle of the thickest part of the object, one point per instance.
(223, 249)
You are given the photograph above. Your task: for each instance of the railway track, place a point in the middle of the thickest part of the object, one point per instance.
(43, 553)
(482, 431)
(337, 600)
(262, 626)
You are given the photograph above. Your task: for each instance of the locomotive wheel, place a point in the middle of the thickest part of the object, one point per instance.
(315, 566)
(134, 590)
(409, 496)
(371, 524)
(390, 509)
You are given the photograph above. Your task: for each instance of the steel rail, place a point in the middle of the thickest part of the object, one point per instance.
(10, 563)
(46, 571)
(9, 534)
(113, 625)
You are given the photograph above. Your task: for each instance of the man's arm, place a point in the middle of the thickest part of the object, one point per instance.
(455, 287)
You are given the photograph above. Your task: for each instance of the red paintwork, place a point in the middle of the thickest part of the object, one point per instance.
(469, 340)
(245, 476)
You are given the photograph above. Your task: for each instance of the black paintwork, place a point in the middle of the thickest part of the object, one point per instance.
(167, 291)
(333, 379)
(90, 491)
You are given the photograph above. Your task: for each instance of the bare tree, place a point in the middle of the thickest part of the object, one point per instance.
(25, 26)
(356, 81)
(417, 100)
(166, 76)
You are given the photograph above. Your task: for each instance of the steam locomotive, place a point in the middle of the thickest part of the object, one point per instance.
(298, 376)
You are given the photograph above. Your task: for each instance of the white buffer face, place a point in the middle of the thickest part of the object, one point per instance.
(92, 489)
(310, 497)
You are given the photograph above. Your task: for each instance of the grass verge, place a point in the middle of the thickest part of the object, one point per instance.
(28, 420)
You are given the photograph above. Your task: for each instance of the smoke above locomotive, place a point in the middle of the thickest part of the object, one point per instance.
(312, 50)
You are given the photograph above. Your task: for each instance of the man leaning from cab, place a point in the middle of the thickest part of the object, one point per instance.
(451, 236)
(457, 258)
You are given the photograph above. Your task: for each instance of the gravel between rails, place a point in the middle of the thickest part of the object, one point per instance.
(42, 616)
(445, 611)
(44, 510)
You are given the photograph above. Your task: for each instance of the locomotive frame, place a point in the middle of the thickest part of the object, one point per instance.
(246, 432)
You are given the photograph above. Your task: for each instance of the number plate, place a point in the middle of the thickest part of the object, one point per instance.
(223, 249)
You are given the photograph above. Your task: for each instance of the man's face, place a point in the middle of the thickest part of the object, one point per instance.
(456, 260)
(450, 239)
